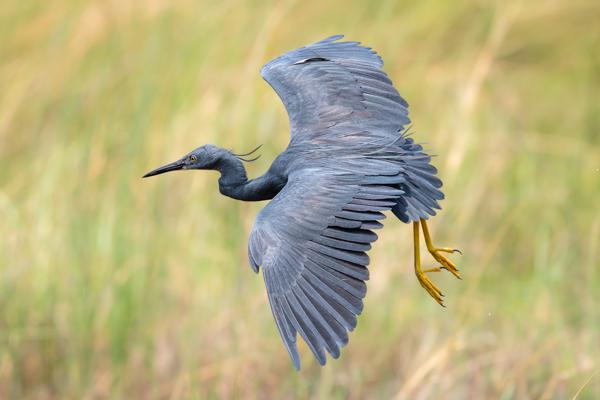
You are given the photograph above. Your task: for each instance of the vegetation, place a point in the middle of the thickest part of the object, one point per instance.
(117, 287)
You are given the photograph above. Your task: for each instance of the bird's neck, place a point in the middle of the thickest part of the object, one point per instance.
(234, 182)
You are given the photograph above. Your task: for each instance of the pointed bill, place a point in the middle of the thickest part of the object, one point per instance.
(174, 166)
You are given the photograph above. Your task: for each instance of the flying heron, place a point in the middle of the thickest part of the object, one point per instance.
(348, 160)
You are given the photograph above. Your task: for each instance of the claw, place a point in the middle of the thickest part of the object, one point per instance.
(449, 250)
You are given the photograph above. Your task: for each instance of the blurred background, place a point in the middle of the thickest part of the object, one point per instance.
(116, 287)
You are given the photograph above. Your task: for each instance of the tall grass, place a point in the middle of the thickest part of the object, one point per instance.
(114, 287)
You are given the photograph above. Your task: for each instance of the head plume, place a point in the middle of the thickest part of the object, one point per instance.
(241, 156)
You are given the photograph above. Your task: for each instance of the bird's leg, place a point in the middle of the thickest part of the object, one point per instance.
(436, 252)
(423, 279)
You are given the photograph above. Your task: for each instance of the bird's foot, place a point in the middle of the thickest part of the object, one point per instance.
(436, 252)
(430, 286)
(444, 261)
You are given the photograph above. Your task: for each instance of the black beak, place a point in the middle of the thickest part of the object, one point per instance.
(174, 166)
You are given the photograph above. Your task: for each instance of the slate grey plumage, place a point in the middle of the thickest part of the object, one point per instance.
(346, 121)
(348, 161)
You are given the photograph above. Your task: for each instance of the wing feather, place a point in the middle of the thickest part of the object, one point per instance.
(346, 84)
(342, 105)
(315, 271)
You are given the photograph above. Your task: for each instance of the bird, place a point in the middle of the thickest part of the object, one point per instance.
(350, 158)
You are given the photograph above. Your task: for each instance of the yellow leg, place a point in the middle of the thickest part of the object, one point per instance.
(435, 252)
(423, 279)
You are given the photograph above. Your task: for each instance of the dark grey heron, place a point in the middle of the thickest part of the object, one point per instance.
(348, 160)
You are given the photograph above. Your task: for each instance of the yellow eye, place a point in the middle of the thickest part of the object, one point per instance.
(193, 158)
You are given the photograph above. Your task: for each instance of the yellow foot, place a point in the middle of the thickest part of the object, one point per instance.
(444, 261)
(423, 279)
(429, 286)
(436, 252)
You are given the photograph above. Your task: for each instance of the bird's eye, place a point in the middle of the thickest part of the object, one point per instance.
(193, 158)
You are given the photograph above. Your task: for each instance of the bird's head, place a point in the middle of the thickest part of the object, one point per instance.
(204, 157)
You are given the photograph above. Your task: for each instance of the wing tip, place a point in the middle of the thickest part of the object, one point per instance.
(332, 38)
(296, 362)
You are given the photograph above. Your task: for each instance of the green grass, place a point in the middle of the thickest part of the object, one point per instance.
(114, 287)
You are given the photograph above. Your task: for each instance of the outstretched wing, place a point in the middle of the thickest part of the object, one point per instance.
(349, 161)
(331, 83)
(311, 241)
(345, 113)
